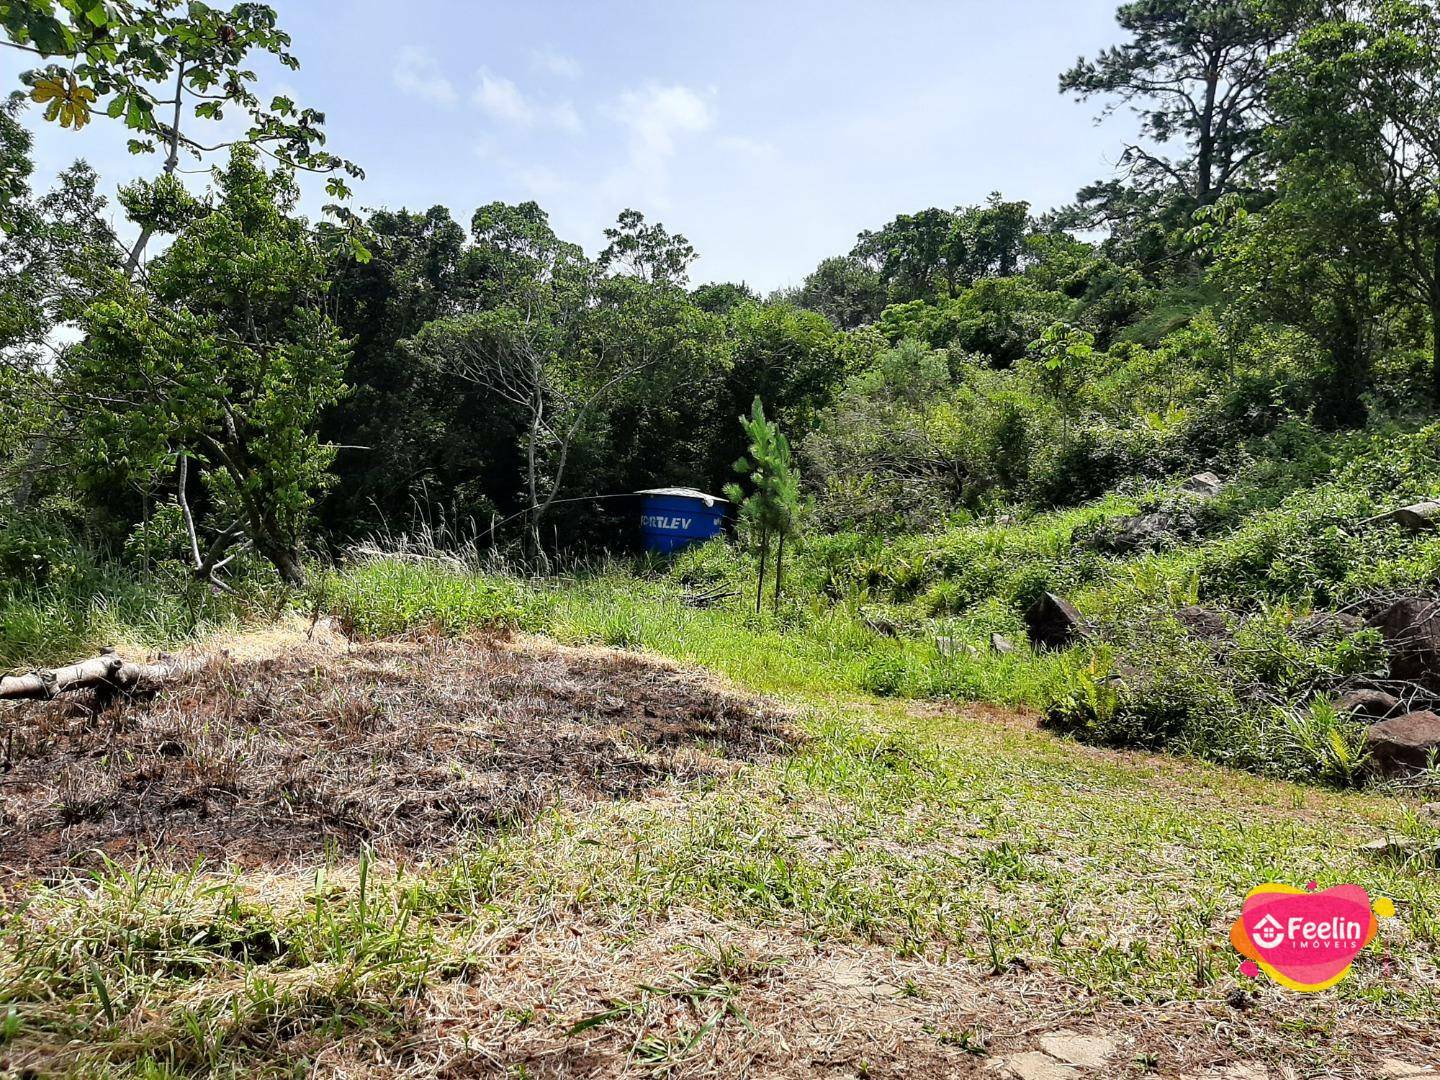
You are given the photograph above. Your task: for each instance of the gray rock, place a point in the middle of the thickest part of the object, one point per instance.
(1086, 1051)
(1375, 704)
(1395, 1069)
(1146, 531)
(881, 624)
(1001, 644)
(1411, 629)
(1142, 531)
(1205, 484)
(1326, 623)
(1034, 1065)
(948, 646)
(1401, 850)
(1405, 744)
(1053, 623)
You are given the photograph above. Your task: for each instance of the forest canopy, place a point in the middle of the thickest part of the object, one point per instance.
(266, 386)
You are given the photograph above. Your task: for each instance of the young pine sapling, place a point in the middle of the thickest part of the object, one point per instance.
(771, 509)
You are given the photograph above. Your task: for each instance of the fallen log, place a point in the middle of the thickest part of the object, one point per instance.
(106, 671)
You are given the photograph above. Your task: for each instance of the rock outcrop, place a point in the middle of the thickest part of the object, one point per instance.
(1372, 704)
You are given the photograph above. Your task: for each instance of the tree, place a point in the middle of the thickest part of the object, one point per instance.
(224, 363)
(937, 253)
(1064, 352)
(649, 252)
(145, 61)
(879, 457)
(55, 253)
(722, 297)
(54, 250)
(989, 240)
(1359, 96)
(844, 290)
(559, 353)
(1305, 260)
(910, 254)
(407, 428)
(771, 508)
(786, 355)
(1195, 73)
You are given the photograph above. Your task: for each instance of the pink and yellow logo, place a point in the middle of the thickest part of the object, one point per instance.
(1303, 939)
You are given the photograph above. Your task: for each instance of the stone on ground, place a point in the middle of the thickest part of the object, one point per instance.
(1376, 704)
(1087, 1051)
(1205, 484)
(1035, 1065)
(1411, 628)
(1202, 622)
(1417, 517)
(1395, 1069)
(1405, 744)
(1001, 644)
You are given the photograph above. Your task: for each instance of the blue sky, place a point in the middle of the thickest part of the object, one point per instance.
(769, 134)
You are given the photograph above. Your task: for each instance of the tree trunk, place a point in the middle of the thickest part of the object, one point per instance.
(779, 565)
(532, 477)
(760, 581)
(287, 561)
(1435, 319)
(1344, 405)
(1205, 152)
(172, 161)
(102, 671)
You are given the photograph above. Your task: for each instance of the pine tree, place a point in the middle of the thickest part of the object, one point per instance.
(771, 508)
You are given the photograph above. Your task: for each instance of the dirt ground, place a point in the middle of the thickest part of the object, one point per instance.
(269, 760)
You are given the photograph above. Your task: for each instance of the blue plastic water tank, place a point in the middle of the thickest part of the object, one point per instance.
(671, 518)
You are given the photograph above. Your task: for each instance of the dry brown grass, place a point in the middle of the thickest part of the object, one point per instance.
(409, 747)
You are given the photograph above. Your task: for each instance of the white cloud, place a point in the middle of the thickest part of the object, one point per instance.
(657, 115)
(657, 118)
(550, 62)
(418, 73)
(501, 99)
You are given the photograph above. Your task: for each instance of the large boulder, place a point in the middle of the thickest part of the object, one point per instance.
(1205, 484)
(1053, 623)
(1411, 629)
(1372, 704)
(1405, 744)
(1322, 624)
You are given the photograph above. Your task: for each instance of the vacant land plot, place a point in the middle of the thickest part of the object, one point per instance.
(484, 857)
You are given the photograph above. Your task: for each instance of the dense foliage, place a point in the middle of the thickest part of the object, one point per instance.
(979, 398)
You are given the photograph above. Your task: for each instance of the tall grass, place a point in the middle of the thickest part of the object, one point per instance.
(58, 621)
(811, 647)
